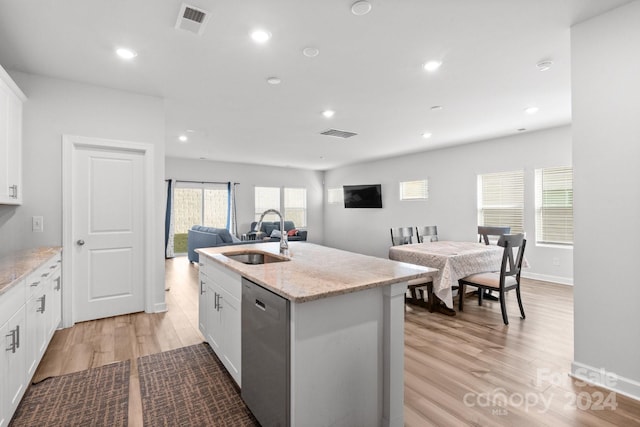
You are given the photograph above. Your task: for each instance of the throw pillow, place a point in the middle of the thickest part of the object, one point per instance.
(292, 232)
(268, 228)
(275, 233)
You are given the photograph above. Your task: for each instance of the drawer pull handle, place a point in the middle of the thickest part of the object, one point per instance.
(261, 305)
(34, 284)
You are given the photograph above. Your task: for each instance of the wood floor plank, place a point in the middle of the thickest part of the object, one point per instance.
(451, 363)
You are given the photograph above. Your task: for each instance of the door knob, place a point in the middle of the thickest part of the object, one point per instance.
(80, 242)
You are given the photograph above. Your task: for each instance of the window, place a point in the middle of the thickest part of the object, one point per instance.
(267, 198)
(414, 190)
(501, 200)
(554, 205)
(335, 195)
(292, 202)
(198, 204)
(295, 206)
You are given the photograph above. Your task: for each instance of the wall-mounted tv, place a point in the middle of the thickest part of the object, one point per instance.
(362, 196)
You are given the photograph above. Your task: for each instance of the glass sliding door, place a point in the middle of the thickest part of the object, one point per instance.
(198, 204)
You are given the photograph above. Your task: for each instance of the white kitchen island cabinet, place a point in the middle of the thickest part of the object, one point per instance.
(346, 329)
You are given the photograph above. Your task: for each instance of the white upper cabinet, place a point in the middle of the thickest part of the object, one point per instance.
(11, 99)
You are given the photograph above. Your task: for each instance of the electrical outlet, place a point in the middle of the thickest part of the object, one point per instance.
(37, 224)
(556, 261)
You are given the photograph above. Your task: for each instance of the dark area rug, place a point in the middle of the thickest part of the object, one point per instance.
(95, 397)
(190, 387)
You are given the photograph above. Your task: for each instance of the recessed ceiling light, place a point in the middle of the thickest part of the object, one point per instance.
(360, 8)
(126, 53)
(328, 113)
(427, 135)
(310, 52)
(544, 65)
(436, 107)
(183, 138)
(432, 66)
(531, 110)
(260, 36)
(274, 80)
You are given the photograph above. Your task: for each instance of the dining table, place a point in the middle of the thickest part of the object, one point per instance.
(454, 260)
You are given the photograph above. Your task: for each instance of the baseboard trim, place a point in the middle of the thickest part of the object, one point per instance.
(548, 278)
(608, 380)
(160, 307)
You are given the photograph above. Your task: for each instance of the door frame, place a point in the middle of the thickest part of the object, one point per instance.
(69, 144)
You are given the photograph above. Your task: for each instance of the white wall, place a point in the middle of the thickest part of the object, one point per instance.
(452, 205)
(606, 152)
(56, 107)
(249, 176)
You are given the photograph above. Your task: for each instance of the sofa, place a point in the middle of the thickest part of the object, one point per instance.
(205, 237)
(293, 234)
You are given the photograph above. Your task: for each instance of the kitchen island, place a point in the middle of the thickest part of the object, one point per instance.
(346, 327)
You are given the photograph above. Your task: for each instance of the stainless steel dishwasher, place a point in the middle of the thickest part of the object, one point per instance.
(265, 355)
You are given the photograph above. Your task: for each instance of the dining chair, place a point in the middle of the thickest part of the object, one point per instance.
(485, 231)
(401, 236)
(416, 287)
(506, 280)
(428, 233)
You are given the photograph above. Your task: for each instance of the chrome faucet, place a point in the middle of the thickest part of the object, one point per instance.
(284, 243)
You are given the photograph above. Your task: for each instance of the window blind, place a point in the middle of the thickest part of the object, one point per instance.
(501, 200)
(295, 206)
(554, 205)
(414, 190)
(267, 198)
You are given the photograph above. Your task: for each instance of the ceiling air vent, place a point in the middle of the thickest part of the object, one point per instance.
(338, 133)
(192, 19)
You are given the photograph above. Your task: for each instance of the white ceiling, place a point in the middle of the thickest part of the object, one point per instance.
(369, 70)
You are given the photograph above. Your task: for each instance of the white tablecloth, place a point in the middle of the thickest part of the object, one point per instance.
(454, 260)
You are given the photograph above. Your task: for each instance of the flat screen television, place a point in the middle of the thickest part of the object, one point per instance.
(362, 196)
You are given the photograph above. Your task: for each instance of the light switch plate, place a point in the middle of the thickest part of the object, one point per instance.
(37, 224)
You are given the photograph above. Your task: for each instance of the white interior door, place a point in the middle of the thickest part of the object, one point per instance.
(107, 209)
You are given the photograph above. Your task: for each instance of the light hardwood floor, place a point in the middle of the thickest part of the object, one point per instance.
(457, 369)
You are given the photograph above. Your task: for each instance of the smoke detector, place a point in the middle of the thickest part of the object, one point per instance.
(192, 19)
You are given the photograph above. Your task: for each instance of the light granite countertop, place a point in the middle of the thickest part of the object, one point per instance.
(315, 271)
(19, 264)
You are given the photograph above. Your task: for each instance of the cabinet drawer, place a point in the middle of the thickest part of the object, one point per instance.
(226, 279)
(39, 276)
(11, 301)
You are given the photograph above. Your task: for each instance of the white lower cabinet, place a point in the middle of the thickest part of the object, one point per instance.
(14, 378)
(30, 312)
(219, 314)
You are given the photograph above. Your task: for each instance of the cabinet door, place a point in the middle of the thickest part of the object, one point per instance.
(202, 304)
(214, 319)
(231, 327)
(36, 328)
(5, 191)
(13, 368)
(14, 149)
(55, 307)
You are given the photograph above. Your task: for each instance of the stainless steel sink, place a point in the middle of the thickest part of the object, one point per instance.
(254, 257)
